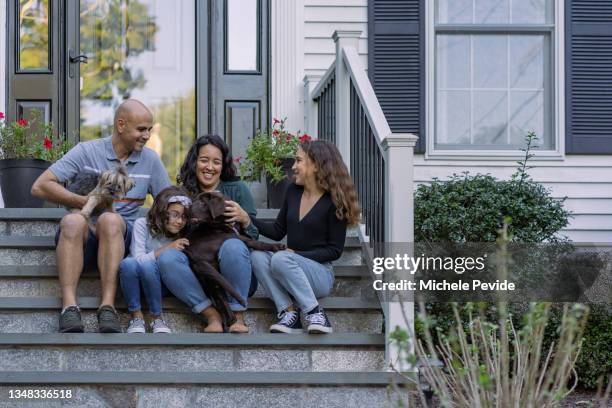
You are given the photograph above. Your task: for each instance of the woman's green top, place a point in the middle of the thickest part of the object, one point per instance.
(239, 192)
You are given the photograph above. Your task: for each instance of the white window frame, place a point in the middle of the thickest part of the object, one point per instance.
(558, 95)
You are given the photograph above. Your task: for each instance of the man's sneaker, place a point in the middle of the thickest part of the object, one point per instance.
(159, 326)
(289, 323)
(318, 323)
(70, 320)
(108, 320)
(137, 325)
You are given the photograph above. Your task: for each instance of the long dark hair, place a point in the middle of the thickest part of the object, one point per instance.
(187, 176)
(333, 177)
(158, 213)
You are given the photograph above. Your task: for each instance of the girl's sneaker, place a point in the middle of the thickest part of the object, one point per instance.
(137, 325)
(159, 326)
(318, 323)
(289, 323)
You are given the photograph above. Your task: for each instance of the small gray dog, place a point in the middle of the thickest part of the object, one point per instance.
(101, 189)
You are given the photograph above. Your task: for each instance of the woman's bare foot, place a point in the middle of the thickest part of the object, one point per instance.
(239, 326)
(213, 319)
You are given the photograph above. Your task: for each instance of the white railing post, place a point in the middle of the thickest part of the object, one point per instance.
(399, 228)
(311, 123)
(344, 39)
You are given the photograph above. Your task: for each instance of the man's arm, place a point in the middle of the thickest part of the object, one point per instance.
(47, 187)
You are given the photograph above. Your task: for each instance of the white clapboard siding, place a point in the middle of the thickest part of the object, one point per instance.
(321, 19)
(585, 182)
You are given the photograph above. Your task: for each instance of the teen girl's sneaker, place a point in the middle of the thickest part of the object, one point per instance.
(159, 326)
(137, 325)
(318, 323)
(289, 323)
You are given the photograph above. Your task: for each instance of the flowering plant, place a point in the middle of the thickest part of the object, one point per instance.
(267, 150)
(16, 142)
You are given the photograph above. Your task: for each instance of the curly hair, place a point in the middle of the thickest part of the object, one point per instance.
(333, 176)
(158, 213)
(188, 174)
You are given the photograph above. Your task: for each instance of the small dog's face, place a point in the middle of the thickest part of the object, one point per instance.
(208, 208)
(116, 182)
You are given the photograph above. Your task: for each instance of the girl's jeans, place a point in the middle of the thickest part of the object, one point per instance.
(134, 274)
(284, 274)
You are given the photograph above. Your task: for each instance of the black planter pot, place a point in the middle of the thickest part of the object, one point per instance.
(276, 190)
(16, 179)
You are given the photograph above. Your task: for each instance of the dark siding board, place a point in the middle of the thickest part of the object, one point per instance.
(396, 63)
(589, 77)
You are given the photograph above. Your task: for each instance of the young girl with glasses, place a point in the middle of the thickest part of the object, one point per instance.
(159, 231)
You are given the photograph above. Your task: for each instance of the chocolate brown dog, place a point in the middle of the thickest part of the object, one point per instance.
(207, 233)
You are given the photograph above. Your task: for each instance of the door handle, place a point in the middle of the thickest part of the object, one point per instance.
(75, 59)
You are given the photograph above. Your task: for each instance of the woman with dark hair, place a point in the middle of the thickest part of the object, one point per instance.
(314, 217)
(209, 166)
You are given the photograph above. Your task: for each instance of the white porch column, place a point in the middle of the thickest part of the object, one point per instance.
(343, 121)
(399, 228)
(311, 120)
(287, 62)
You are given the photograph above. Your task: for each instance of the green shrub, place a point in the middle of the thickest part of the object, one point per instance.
(471, 208)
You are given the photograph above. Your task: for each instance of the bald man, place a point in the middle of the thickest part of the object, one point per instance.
(78, 246)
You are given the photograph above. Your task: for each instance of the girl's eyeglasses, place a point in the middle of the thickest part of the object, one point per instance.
(175, 216)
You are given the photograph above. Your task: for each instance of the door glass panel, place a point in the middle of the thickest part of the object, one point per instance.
(242, 35)
(143, 49)
(34, 35)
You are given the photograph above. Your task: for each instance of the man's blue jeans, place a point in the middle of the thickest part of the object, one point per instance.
(234, 265)
(134, 274)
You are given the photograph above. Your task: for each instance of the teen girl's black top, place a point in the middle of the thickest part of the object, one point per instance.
(318, 236)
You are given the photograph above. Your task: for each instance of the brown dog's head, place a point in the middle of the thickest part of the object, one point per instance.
(208, 208)
(116, 182)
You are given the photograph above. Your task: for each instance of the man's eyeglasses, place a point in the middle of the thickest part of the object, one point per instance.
(176, 216)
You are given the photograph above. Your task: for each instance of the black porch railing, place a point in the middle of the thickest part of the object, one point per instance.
(368, 170)
(326, 111)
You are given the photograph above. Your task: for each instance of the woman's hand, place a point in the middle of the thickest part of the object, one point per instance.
(235, 213)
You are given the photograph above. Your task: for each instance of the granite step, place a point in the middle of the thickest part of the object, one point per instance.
(210, 389)
(191, 352)
(40, 315)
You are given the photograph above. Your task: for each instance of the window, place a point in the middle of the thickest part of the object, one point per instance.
(494, 74)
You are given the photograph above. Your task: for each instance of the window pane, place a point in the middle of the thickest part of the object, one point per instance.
(532, 11)
(491, 11)
(453, 114)
(527, 56)
(490, 119)
(242, 28)
(454, 61)
(490, 61)
(527, 115)
(454, 11)
(145, 50)
(34, 35)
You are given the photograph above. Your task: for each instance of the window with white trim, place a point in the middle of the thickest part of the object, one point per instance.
(494, 74)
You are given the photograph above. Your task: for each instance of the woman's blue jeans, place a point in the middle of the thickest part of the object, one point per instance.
(134, 274)
(234, 265)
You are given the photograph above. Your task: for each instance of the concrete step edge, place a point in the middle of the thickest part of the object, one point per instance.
(50, 271)
(48, 242)
(190, 339)
(340, 378)
(45, 303)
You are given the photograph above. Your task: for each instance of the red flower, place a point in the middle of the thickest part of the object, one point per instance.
(275, 121)
(48, 143)
(22, 122)
(305, 137)
(275, 132)
(1, 115)
(288, 138)
(237, 159)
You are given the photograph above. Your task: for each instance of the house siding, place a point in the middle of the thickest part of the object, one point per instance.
(3, 28)
(586, 181)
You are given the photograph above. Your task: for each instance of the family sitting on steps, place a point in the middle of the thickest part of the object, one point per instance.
(152, 252)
